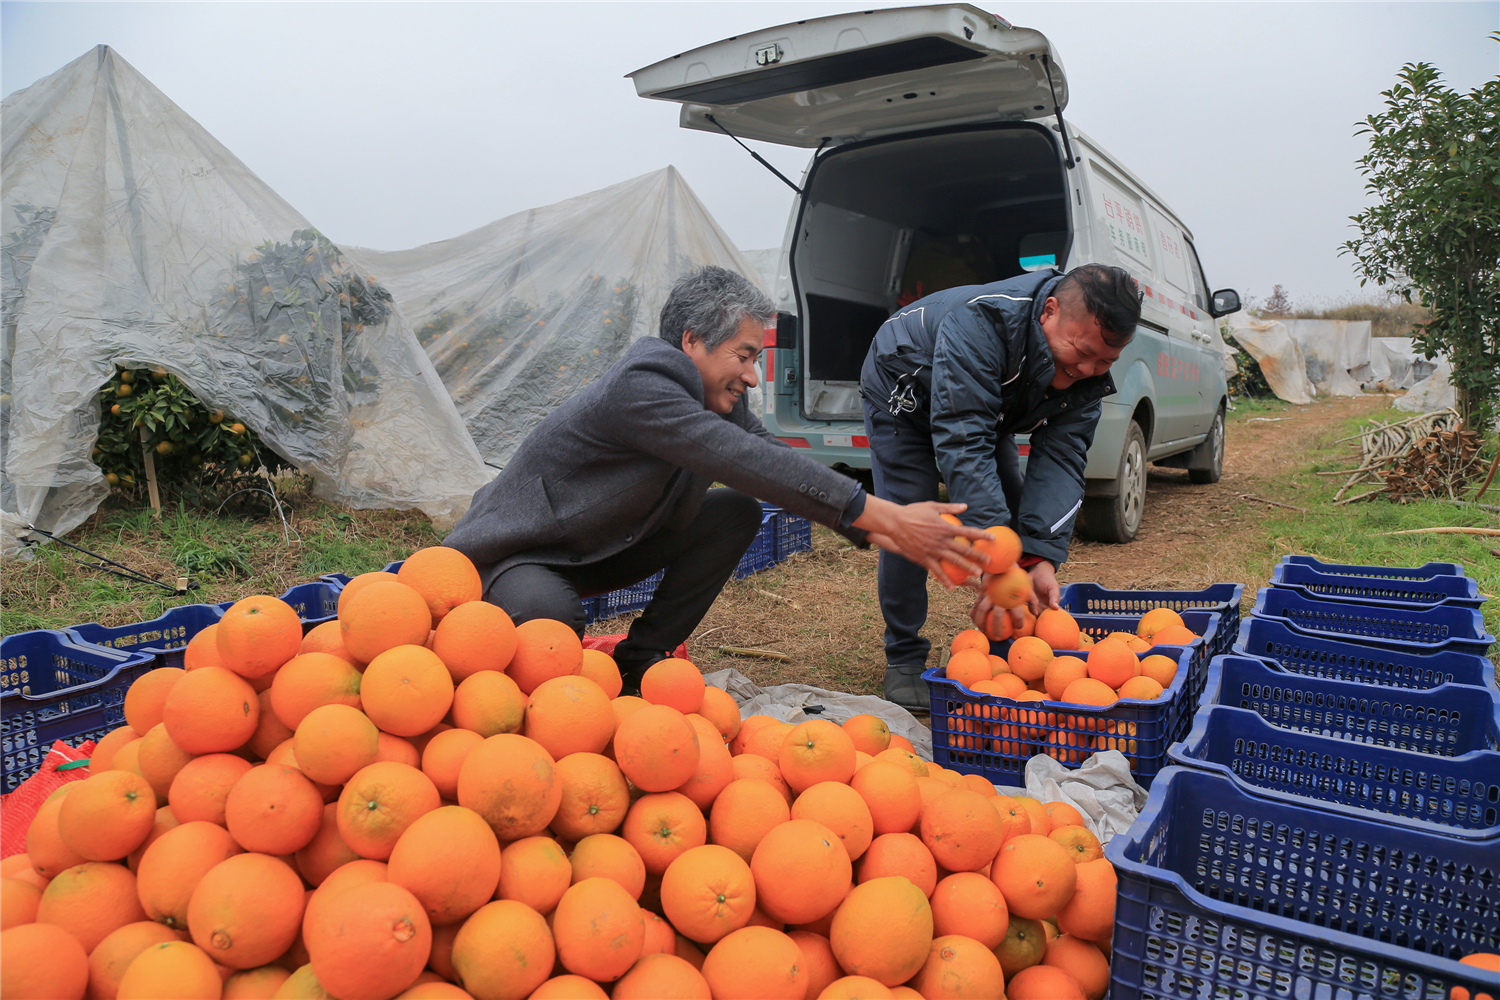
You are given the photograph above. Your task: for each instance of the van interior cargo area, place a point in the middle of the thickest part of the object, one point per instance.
(889, 221)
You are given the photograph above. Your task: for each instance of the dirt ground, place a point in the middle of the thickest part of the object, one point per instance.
(820, 608)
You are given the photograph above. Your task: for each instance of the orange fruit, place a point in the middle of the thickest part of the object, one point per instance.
(367, 938)
(817, 960)
(814, 751)
(745, 811)
(1155, 620)
(444, 577)
(406, 690)
(211, 710)
(1010, 588)
(512, 782)
(569, 987)
(489, 703)
(381, 616)
(854, 988)
(450, 860)
(1090, 912)
(1000, 551)
(604, 855)
(257, 635)
(1081, 844)
(309, 680)
(170, 969)
(715, 765)
(544, 648)
(869, 733)
(1044, 982)
(751, 765)
(569, 715)
(904, 757)
(1057, 628)
(657, 748)
(334, 741)
(655, 977)
(600, 668)
(326, 638)
(1013, 817)
(378, 804)
(202, 786)
(968, 667)
(172, 868)
(841, 809)
(326, 852)
(969, 903)
(595, 796)
(891, 794)
(203, 650)
(1061, 815)
(755, 963)
(1173, 635)
(661, 826)
(969, 638)
(1161, 669)
(273, 809)
(362, 581)
(598, 929)
(673, 682)
(1029, 658)
(719, 707)
(802, 871)
(474, 636)
(109, 960)
(534, 871)
(104, 750)
(160, 759)
(270, 732)
(1083, 961)
(44, 961)
(959, 966)
(255, 983)
(394, 748)
(1140, 688)
(504, 950)
(766, 741)
(1035, 875)
(444, 756)
(18, 902)
(107, 815)
(1111, 662)
(246, 910)
(285, 756)
(1089, 691)
(962, 830)
(91, 900)
(1062, 671)
(146, 697)
(1024, 945)
(748, 726)
(883, 930)
(707, 892)
(901, 854)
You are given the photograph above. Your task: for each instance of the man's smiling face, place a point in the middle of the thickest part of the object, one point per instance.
(728, 370)
(1077, 343)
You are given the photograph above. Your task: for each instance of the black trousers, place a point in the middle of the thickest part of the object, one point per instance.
(698, 561)
(904, 467)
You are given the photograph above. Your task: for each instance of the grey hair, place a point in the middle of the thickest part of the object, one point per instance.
(712, 302)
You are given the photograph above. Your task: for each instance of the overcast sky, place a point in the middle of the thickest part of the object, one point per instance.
(395, 124)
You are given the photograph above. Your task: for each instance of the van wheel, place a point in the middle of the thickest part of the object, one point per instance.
(1118, 518)
(1214, 447)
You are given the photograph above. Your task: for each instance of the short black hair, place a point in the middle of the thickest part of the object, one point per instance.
(1109, 294)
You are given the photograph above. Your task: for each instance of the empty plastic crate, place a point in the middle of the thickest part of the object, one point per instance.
(762, 551)
(1422, 572)
(1449, 721)
(624, 600)
(315, 603)
(164, 638)
(1460, 591)
(793, 534)
(1459, 796)
(1297, 652)
(54, 688)
(1416, 630)
(994, 737)
(1223, 598)
(1223, 893)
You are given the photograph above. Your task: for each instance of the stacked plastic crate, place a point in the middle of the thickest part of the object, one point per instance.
(974, 733)
(1331, 824)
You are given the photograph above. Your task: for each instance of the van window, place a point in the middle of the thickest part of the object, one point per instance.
(1195, 272)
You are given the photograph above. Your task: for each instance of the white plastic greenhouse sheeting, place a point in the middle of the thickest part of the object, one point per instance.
(520, 314)
(132, 237)
(1280, 358)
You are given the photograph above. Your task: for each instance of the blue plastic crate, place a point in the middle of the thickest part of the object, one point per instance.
(994, 737)
(1423, 572)
(341, 580)
(394, 567)
(315, 603)
(1224, 893)
(762, 551)
(624, 600)
(1459, 796)
(1458, 591)
(1223, 598)
(1447, 721)
(1413, 630)
(53, 688)
(164, 638)
(793, 534)
(1273, 640)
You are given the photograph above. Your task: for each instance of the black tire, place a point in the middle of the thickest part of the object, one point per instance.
(1117, 519)
(1214, 448)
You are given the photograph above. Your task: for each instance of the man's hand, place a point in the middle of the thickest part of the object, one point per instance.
(918, 533)
(1045, 594)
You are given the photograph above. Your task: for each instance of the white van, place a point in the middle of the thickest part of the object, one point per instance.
(942, 158)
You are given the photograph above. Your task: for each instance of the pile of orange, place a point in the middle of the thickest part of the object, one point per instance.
(1118, 666)
(421, 799)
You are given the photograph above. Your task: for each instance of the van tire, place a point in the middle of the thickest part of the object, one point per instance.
(1212, 454)
(1117, 519)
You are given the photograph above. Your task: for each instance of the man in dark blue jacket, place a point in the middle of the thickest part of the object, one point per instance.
(948, 383)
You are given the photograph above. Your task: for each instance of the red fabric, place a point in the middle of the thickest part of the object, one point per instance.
(606, 644)
(1026, 562)
(19, 807)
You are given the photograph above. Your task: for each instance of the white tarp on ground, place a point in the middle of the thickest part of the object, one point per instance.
(132, 237)
(1435, 392)
(520, 314)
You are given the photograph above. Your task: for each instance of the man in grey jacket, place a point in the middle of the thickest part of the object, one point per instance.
(613, 485)
(948, 383)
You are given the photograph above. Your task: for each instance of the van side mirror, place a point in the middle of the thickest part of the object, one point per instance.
(1226, 301)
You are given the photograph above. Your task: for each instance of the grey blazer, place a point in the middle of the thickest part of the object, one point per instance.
(630, 455)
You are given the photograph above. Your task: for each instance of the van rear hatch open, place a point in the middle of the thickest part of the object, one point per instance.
(855, 76)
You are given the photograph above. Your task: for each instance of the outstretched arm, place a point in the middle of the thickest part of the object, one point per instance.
(918, 533)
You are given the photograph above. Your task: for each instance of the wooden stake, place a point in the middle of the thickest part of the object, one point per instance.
(759, 654)
(1492, 532)
(151, 476)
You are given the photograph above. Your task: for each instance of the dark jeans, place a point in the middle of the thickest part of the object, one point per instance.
(698, 561)
(904, 467)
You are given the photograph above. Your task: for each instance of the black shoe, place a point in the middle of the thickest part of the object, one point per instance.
(905, 687)
(633, 668)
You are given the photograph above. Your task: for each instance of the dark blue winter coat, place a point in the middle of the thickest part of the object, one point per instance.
(971, 366)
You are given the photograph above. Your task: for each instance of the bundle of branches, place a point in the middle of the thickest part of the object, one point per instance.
(1384, 446)
(1440, 465)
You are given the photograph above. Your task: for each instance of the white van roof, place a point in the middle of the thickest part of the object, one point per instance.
(853, 76)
